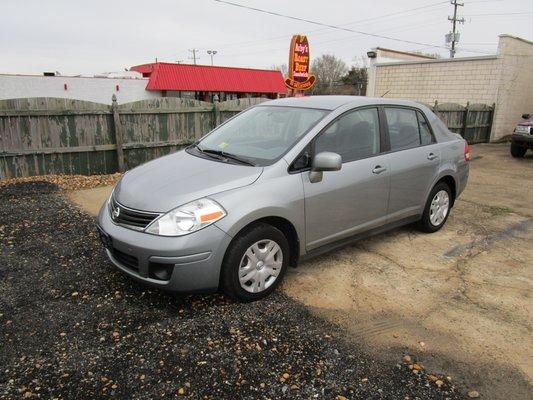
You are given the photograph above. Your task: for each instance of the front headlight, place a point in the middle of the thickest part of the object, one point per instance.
(187, 218)
(522, 129)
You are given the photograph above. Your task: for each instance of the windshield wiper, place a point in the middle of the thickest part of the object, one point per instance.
(208, 152)
(223, 154)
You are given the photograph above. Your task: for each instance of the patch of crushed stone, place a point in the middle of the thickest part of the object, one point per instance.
(71, 326)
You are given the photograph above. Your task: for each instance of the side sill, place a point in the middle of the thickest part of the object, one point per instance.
(360, 236)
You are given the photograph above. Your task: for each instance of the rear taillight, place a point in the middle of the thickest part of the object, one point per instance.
(467, 151)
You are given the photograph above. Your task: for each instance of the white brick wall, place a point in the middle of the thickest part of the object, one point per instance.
(515, 95)
(456, 81)
(506, 79)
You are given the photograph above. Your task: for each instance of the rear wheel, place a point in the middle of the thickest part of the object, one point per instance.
(437, 208)
(255, 263)
(518, 151)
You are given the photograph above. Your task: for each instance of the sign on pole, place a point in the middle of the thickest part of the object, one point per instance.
(299, 76)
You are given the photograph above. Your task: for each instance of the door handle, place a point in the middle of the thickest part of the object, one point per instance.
(432, 156)
(378, 169)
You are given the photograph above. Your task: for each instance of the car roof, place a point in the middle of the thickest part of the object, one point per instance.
(333, 102)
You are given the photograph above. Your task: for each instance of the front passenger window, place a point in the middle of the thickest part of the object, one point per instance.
(354, 135)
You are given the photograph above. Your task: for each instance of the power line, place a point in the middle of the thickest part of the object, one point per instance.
(401, 13)
(336, 27)
(329, 41)
(479, 43)
(498, 14)
(327, 25)
(412, 25)
(284, 37)
(395, 13)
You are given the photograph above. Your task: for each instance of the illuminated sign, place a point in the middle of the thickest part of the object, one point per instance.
(299, 76)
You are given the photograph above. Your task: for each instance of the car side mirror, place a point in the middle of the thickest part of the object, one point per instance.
(526, 116)
(324, 161)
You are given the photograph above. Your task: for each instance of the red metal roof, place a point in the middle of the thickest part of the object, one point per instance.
(169, 76)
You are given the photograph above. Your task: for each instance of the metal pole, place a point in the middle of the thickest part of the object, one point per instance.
(211, 54)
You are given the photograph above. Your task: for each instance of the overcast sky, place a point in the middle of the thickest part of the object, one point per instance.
(91, 36)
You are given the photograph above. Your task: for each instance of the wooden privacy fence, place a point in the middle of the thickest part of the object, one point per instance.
(473, 121)
(41, 136)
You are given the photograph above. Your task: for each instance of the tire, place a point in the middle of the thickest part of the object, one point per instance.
(245, 256)
(518, 151)
(430, 222)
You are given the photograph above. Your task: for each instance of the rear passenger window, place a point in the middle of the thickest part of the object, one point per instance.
(425, 134)
(403, 128)
(354, 135)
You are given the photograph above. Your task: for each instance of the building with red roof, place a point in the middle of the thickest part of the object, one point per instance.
(208, 83)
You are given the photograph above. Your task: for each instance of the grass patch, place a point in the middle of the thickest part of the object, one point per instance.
(497, 210)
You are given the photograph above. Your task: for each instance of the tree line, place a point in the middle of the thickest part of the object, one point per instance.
(333, 76)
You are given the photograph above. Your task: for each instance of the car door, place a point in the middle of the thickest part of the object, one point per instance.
(414, 161)
(354, 198)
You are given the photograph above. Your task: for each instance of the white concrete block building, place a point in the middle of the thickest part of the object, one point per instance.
(99, 89)
(504, 79)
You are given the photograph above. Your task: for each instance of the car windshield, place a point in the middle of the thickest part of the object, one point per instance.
(261, 134)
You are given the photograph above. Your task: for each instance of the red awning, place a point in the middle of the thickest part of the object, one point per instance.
(185, 77)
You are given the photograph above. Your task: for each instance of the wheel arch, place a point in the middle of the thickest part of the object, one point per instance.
(452, 184)
(285, 226)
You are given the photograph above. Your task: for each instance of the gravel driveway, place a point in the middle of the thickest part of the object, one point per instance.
(73, 327)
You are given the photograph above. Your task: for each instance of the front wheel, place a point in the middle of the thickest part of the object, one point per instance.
(255, 263)
(437, 208)
(518, 151)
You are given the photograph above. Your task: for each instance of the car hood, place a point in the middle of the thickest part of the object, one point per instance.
(168, 182)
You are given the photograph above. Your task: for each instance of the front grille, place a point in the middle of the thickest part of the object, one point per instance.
(131, 218)
(126, 260)
(524, 130)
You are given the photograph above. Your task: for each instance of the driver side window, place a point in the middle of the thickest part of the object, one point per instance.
(354, 136)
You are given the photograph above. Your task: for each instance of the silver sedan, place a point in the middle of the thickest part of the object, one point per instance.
(280, 182)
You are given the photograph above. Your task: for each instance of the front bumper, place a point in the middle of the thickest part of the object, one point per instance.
(526, 140)
(187, 263)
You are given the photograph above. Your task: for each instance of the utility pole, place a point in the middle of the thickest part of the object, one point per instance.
(453, 37)
(194, 56)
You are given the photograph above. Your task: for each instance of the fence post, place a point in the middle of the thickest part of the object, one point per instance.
(216, 111)
(118, 133)
(465, 120)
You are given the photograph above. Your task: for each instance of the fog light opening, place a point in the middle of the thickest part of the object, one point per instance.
(161, 272)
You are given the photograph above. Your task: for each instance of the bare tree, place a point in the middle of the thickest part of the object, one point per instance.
(360, 61)
(281, 67)
(329, 71)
